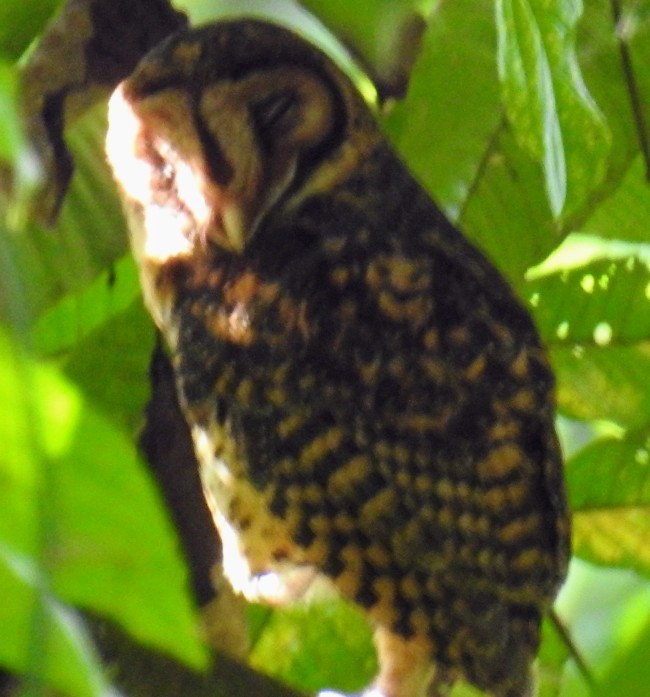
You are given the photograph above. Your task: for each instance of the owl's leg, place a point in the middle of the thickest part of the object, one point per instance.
(405, 666)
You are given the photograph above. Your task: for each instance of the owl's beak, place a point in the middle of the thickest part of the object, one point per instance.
(234, 227)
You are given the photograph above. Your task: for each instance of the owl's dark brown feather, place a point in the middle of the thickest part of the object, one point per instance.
(369, 401)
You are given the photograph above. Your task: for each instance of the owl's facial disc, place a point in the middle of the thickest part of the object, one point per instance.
(209, 165)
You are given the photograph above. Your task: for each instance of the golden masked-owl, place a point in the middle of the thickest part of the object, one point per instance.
(369, 401)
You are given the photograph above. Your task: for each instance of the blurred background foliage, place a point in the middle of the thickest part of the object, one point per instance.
(527, 121)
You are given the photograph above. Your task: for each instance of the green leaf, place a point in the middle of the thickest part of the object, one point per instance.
(386, 34)
(625, 214)
(122, 346)
(11, 135)
(546, 100)
(609, 487)
(20, 22)
(89, 236)
(551, 660)
(610, 384)
(444, 132)
(629, 672)
(77, 315)
(600, 60)
(75, 499)
(317, 643)
(44, 639)
(611, 473)
(592, 291)
(507, 214)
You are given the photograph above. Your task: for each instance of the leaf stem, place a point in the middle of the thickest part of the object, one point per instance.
(574, 651)
(632, 86)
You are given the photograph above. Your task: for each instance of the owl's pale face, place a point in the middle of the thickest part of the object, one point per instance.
(205, 159)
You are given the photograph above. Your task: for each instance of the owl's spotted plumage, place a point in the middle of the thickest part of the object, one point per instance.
(369, 402)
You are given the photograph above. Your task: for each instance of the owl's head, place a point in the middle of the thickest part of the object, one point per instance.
(218, 126)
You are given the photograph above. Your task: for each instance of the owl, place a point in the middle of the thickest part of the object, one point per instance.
(369, 402)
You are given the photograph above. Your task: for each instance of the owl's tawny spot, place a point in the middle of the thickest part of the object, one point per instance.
(519, 366)
(402, 456)
(398, 273)
(320, 524)
(504, 430)
(446, 518)
(313, 494)
(186, 54)
(524, 400)
(519, 491)
(500, 462)
(340, 276)
(325, 443)
(345, 523)
(495, 498)
(233, 326)
(378, 556)
(419, 423)
(293, 316)
(424, 484)
(400, 286)
(464, 491)
(485, 559)
(291, 423)
(444, 488)
(460, 336)
(374, 508)
(347, 582)
(245, 287)
(431, 340)
(350, 475)
(475, 369)
(528, 560)
(434, 369)
(245, 391)
(403, 479)
(519, 528)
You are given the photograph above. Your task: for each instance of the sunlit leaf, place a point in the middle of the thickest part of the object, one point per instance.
(615, 537)
(611, 383)
(592, 291)
(89, 236)
(11, 136)
(629, 672)
(44, 639)
(546, 99)
(507, 213)
(611, 473)
(552, 658)
(600, 61)
(76, 315)
(444, 133)
(609, 486)
(67, 471)
(318, 644)
(625, 215)
(122, 346)
(386, 34)
(20, 21)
